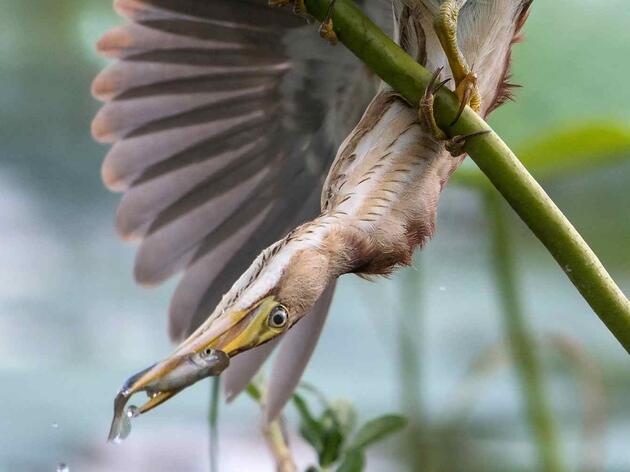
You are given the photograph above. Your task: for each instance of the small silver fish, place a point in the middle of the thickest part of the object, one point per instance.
(161, 381)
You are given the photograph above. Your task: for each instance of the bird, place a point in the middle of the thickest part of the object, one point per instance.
(261, 164)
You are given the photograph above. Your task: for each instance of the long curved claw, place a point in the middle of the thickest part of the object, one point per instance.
(454, 145)
(468, 94)
(425, 112)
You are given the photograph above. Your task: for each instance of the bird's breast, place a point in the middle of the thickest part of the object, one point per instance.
(386, 179)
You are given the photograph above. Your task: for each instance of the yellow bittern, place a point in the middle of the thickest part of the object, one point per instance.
(225, 116)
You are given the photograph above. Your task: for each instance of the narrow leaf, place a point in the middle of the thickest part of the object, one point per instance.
(310, 429)
(377, 429)
(253, 391)
(569, 149)
(332, 442)
(354, 461)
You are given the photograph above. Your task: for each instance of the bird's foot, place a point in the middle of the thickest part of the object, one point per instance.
(299, 8)
(445, 25)
(454, 145)
(326, 30)
(468, 94)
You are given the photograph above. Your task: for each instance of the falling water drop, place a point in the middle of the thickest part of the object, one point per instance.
(54, 425)
(442, 288)
(133, 411)
(61, 467)
(123, 429)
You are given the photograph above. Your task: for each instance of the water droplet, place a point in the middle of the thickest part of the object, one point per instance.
(54, 425)
(61, 467)
(133, 411)
(154, 394)
(442, 288)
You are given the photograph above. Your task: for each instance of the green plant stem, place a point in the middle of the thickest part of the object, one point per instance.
(213, 420)
(522, 345)
(493, 157)
(279, 446)
(416, 448)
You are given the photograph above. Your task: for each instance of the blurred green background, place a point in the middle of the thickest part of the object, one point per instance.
(73, 325)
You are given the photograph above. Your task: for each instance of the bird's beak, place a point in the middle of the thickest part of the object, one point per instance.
(205, 353)
(233, 332)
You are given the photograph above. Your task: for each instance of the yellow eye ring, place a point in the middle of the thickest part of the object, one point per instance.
(278, 317)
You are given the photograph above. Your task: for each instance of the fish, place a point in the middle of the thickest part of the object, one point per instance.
(182, 372)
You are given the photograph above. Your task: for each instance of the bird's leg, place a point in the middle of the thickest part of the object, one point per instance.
(326, 30)
(454, 145)
(445, 25)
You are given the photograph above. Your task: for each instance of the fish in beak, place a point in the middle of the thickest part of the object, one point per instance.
(205, 353)
(161, 381)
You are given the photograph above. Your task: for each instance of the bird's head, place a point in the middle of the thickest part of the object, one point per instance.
(278, 289)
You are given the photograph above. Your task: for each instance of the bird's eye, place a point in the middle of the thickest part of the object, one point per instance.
(207, 352)
(278, 317)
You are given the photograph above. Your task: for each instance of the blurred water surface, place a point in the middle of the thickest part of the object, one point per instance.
(73, 325)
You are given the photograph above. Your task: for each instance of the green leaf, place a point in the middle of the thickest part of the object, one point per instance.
(345, 415)
(566, 150)
(377, 429)
(576, 148)
(310, 429)
(333, 440)
(333, 437)
(253, 391)
(353, 461)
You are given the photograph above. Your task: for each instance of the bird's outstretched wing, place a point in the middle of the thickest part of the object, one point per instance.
(224, 117)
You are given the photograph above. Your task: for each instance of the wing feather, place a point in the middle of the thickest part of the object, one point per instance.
(244, 367)
(295, 351)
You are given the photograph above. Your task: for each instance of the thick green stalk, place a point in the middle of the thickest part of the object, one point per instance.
(522, 345)
(494, 158)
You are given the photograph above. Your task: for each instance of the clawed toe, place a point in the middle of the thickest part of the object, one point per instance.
(468, 94)
(426, 116)
(326, 31)
(455, 145)
(425, 112)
